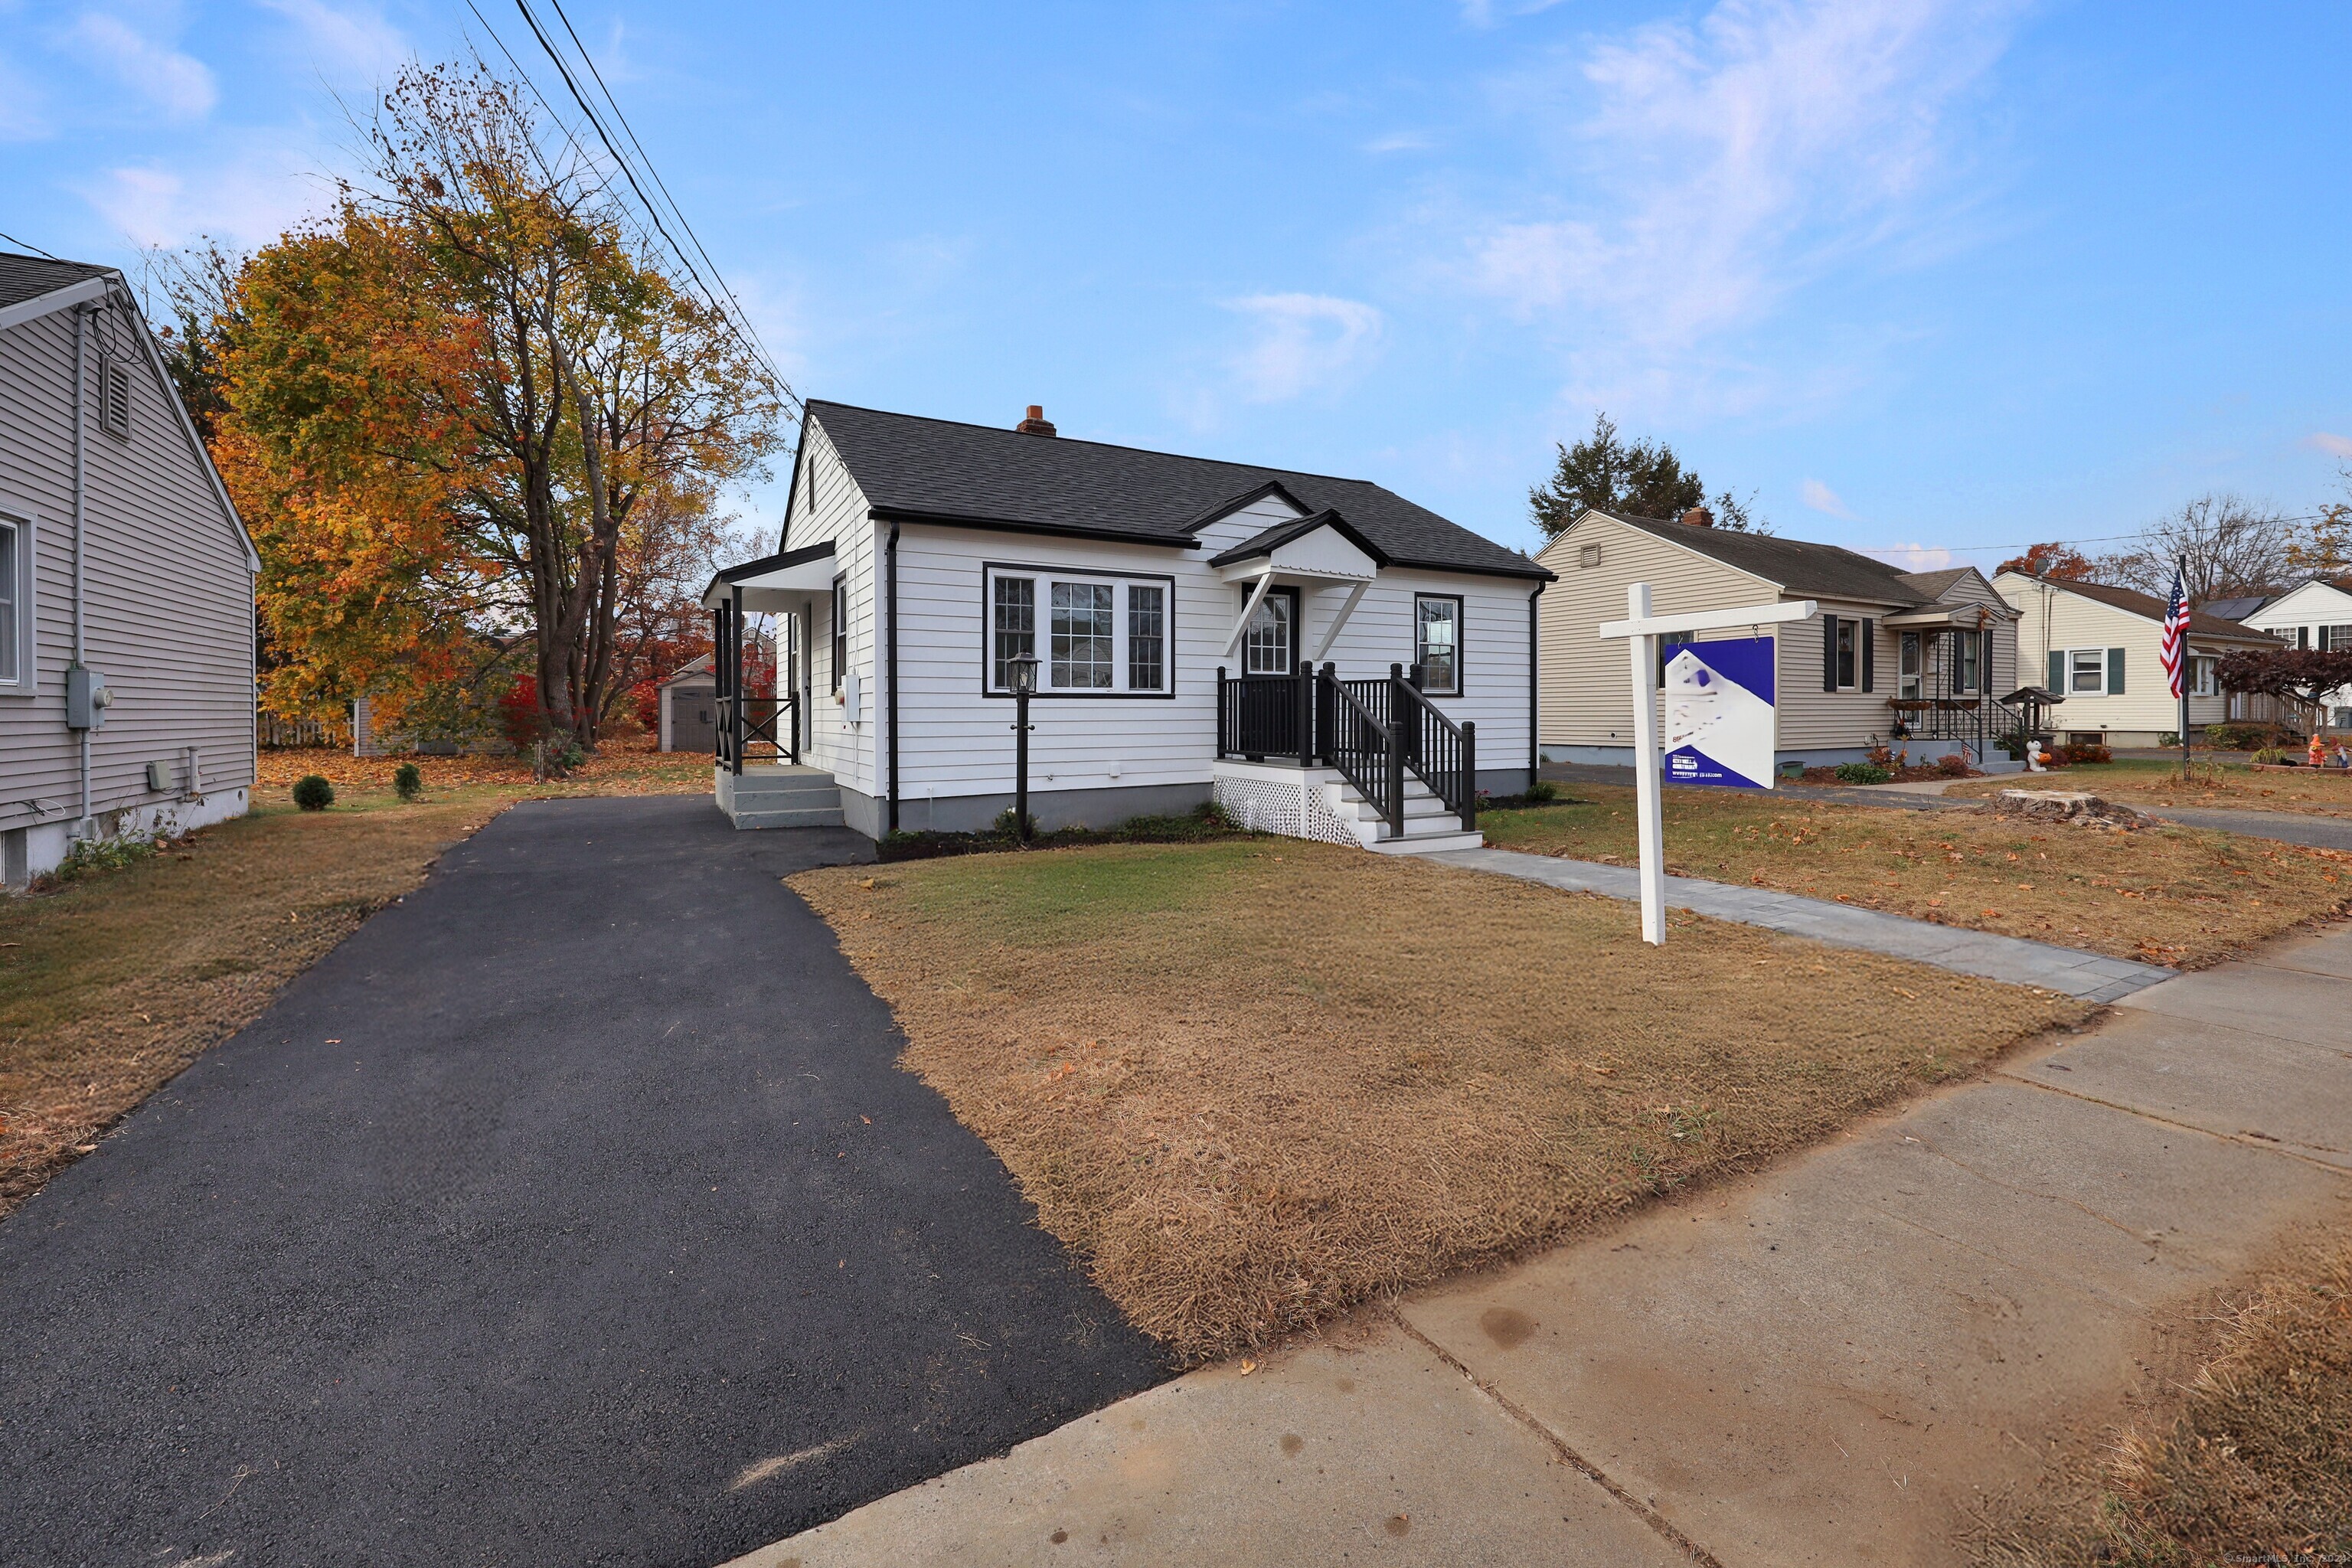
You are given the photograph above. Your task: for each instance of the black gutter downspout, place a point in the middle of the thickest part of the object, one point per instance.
(1535, 686)
(891, 664)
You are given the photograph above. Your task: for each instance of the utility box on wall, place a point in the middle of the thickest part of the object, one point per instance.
(86, 698)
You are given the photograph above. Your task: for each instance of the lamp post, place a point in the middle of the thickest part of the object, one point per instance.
(1025, 687)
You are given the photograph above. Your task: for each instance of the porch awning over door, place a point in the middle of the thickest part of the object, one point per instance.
(775, 584)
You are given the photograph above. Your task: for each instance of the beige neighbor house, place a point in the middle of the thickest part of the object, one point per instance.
(2100, 647)
(1912, 661)
(126, 583)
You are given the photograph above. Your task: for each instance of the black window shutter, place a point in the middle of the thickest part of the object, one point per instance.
(1829, 653)
(1869, 654)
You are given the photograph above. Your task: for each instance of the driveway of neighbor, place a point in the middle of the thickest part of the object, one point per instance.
(574, 1210)
(1837, 1361)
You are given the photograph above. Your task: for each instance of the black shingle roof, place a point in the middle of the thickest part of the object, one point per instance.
(917, 470)
(1821, 570)
(24, 277)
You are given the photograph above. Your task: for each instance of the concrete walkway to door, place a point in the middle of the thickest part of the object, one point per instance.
(1828, 1363)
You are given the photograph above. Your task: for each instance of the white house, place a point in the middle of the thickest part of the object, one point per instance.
(1204, 630)
(2100, 647)
(1914, 660)
(2317, 614)
(126, 582)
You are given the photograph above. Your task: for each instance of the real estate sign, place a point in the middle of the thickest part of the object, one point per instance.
(1719, 714)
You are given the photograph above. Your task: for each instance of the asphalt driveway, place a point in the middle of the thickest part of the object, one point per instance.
(572, 1211)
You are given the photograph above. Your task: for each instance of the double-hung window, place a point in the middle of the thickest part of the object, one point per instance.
(1437, 642)
(2203, 678)
(1093, 635)
(840, 629)
(15, 618)
(1967, 648)
(2086, 670)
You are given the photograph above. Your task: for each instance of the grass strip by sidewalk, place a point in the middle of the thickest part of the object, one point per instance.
(1255, 1083)
(2152, 785)
(2180, 895)
(113, 983)
(2247, 1461)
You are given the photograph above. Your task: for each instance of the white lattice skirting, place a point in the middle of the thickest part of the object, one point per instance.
(1285, 801)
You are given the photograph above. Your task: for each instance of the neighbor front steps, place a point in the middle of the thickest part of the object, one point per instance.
(769, 795)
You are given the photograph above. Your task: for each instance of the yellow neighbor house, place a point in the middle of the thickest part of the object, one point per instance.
(2099, 648)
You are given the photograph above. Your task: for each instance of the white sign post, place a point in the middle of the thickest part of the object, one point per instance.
(1642, 630)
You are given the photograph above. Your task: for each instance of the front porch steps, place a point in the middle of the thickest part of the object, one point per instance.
(769, 795)
(1319, 804)
(1429, 827)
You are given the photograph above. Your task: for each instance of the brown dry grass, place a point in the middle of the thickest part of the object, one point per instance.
(110, 984)
(2247, 1461)
(2180, 895)
(2223, 786)
(1255, 1083)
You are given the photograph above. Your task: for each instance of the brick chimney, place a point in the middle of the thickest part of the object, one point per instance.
(1036, 424)
(1699, 517)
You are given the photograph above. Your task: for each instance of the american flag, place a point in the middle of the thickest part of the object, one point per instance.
(2176, 629)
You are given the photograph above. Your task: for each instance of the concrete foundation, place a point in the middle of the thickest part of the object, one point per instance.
(41, 847)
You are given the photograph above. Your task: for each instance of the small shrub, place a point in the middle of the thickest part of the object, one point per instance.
(1541, 790)
(2270, 756)
(408, 781)
(1863, 773)
(2169, 739)
(1952, 765)
(313, 792)
(1008, 826)
(2250, 737)
(571, 757)
(89, 857)
(2088, 751)
(1880, 757)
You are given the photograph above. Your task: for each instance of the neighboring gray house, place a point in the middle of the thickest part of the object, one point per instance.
(689, 708)
(126, 582)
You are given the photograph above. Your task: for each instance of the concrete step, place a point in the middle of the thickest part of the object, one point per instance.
(819, 816)
(1427, 843)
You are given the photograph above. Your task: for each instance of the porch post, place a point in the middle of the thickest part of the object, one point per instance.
(1469, 774)
(735, 677)
(1397, 707)
(1304, 674)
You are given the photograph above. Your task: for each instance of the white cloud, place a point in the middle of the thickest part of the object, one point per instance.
(344, 41)
(1914, 557)
(2334, 446)
(1715, 166)
(1480, 13)
(1304, 343)
(1399, 141)
(1820, 498)
(180, 85)
(244, 198)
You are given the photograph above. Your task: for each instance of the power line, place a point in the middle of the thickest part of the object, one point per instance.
(2070, 543)
(27, 245)
(742, 317)
(740, 328)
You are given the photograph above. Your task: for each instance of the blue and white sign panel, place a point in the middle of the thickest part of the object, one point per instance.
(1719, 714)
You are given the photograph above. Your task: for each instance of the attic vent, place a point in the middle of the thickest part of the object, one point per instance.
(114, 400)
(1587, 555)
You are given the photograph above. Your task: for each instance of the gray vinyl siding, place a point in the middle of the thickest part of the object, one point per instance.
(1587, 684)
(169, 600)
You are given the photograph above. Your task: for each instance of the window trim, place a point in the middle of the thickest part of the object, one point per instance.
(840, 614)
(1848, 660)
(2072, 691)
(2204, 674)
(1046, 574)
(26, 522)
(1461, 612)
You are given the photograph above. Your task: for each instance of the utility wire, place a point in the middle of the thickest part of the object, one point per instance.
(741, 318)
(628, 172)
(29, 245)
(1984, 549)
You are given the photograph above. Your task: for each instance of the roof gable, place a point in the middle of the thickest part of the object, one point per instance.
(917, 470)
(1322, 541)
(2305, 594)
(1793, 566)
(2146, 607)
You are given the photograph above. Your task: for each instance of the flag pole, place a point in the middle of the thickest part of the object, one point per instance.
(2181, 676)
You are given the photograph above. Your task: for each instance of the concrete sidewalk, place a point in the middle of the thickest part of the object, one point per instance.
(1831, 1362)
(2091, 976)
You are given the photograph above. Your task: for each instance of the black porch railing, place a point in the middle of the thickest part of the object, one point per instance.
(745, 721)
(1371, 732)
(1978, 723)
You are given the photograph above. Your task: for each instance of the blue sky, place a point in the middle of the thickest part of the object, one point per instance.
(1918, 272)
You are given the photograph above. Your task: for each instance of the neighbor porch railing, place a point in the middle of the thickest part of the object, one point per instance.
(1371, 732)
(1978, 723)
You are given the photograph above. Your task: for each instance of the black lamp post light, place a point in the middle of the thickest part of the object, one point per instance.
(1025, 687)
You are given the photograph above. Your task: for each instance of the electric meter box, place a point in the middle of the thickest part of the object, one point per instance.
(86, 698)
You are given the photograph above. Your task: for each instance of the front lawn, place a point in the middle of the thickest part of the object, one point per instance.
(2170, 895)
(1253, 1083)
(2151, 785)
(115, 981)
